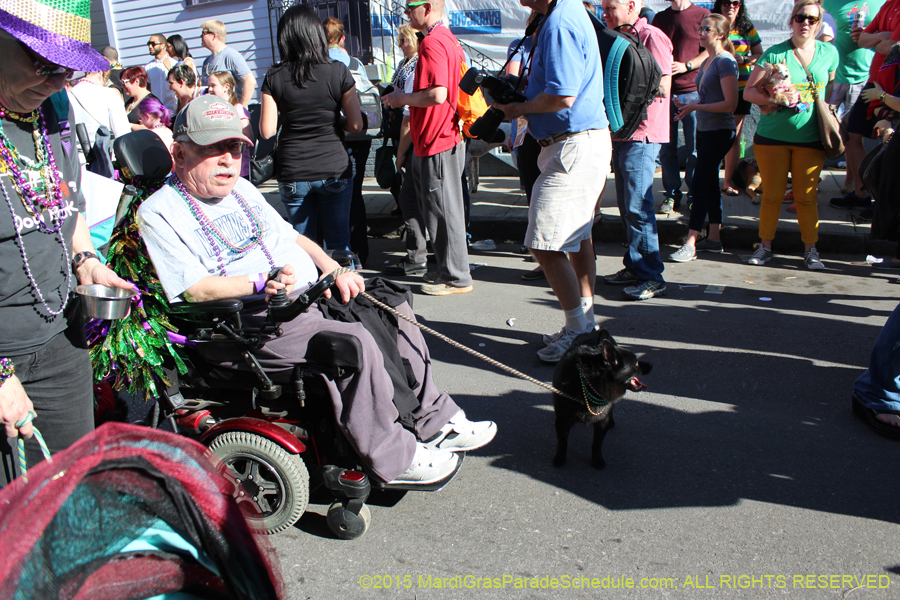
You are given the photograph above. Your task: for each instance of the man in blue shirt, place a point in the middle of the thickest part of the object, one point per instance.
(564, 112)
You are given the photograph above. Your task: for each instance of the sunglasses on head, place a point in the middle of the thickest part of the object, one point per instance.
(412, 5)
(811, 19)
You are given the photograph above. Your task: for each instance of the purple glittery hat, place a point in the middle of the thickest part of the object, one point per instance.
(58, 30)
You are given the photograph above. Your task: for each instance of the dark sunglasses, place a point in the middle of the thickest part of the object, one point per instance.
(704, 29)
(811, 19)
(731, 3)
(44, 68)
(154, 44)
(233, 147)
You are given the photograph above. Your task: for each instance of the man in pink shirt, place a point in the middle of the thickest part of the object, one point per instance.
(634, 162)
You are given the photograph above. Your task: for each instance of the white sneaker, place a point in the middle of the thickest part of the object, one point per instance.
(554, 352)
(549, 338)
(483, 245)
(428, 466)
(461, 435)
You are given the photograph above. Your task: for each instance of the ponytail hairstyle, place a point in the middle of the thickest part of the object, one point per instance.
(722, 27)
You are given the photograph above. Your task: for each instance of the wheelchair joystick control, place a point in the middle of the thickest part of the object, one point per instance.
(280, 299)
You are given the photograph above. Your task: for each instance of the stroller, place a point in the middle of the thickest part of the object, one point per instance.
(130, 513)
(275, 431)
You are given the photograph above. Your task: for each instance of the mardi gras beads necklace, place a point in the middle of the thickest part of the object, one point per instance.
(217, 240)
(35, 198)
(35, 181)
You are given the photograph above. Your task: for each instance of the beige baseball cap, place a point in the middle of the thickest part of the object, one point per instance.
(207, 120)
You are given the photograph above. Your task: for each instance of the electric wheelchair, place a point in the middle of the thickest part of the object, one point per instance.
(275, 432)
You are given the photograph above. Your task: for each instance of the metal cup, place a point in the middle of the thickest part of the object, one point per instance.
(101, 302)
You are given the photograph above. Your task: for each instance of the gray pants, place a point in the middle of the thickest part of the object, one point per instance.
(363, 402)
(436, 182)
(408, 200)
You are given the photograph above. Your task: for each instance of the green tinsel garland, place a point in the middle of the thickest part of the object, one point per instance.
(125, 352)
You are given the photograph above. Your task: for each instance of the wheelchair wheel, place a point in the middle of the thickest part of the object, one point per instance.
(271, 484)
(347, 525)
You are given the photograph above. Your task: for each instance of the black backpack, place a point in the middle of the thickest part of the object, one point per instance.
(631, 78)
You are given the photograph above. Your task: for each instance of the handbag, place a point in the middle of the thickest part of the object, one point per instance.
(262, 169)
(262, 164)
(829, 124)
(385, 171)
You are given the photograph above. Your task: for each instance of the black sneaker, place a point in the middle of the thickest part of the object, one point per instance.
(866, 216)
(851, 201)
(623, 277)
(405, 268)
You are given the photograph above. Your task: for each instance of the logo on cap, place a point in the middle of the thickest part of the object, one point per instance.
(218, 110)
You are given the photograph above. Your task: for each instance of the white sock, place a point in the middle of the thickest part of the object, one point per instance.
(587, 305)
(576, 320)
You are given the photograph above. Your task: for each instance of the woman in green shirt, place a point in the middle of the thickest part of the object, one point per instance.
(787, 138)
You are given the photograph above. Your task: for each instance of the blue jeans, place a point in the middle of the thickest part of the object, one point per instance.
(712, 146)
(635, 164)
(668, 154)
(326, 202)
(879, 387)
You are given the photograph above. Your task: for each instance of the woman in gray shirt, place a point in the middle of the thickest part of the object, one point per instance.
(717, 88)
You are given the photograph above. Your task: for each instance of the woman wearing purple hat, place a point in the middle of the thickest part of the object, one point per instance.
(45, 245)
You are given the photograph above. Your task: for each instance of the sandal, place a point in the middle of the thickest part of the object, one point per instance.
(730, 191)
(868, 417)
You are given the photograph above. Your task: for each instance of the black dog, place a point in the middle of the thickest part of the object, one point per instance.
(598, 373)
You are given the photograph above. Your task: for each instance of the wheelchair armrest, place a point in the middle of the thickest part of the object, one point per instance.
(332, 350)
(213, 307)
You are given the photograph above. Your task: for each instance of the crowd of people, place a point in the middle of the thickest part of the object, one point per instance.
(712, 65)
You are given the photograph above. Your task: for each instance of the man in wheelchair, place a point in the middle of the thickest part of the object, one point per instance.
(211, 235)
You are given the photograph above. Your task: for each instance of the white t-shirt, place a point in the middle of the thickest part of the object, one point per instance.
(828, 25)
(157, 75)
(95, 105)
(182, 254)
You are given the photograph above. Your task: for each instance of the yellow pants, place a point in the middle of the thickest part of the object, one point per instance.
(804, 165)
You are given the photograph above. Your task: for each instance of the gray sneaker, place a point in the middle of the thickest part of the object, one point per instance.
(666, 207)
(707, 245)
(684, 254)
(549, 338)
(647, 290)
(553, 352)
(430, 277)
(811, 260)
(760, 256)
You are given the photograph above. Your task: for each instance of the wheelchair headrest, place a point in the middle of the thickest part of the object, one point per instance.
(143, 154)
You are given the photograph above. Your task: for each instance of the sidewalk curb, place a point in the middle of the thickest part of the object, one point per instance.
(671, 232)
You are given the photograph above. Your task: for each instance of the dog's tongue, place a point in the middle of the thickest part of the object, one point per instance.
(635, 385)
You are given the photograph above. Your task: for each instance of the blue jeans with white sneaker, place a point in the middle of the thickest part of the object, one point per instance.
(668, 154)
(635, 164)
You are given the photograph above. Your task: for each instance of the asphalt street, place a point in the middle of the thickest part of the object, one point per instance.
(741, 473)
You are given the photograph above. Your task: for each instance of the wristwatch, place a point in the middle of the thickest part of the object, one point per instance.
(81, 257)
(688, 66)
